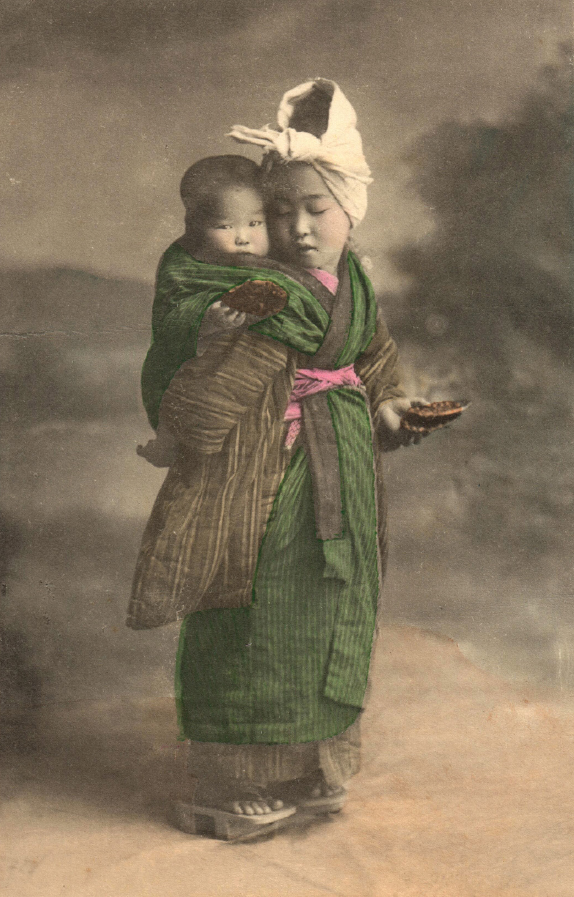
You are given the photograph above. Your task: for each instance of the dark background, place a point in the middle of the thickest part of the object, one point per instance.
(464, 110)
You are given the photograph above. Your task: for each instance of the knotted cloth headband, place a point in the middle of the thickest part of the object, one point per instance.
(335, 148)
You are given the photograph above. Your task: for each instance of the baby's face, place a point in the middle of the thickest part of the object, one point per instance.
(237, 224)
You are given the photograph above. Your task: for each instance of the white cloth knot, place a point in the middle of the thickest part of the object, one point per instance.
(337, 155)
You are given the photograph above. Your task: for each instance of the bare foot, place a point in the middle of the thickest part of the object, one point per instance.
(258, 807)
(243, 803)
(321, 789)
(313, 787)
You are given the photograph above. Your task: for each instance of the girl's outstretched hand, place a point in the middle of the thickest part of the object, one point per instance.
(388, 423)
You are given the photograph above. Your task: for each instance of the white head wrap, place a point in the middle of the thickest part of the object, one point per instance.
(337, 155)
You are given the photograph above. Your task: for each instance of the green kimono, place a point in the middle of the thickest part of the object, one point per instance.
(276, 641)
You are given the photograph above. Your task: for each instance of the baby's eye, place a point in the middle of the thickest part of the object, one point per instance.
(221, 226)
(256, 223)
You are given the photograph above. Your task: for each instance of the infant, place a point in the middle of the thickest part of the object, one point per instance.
(224, 218)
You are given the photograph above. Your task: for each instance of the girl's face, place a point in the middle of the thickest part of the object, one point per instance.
(308, 227)
(237, 224)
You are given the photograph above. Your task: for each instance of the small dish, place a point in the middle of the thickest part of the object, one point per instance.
(432, 416)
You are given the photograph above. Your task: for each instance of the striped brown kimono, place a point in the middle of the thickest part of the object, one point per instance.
(204, 556)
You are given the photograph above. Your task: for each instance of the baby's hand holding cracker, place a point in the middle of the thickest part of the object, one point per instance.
(221, 317)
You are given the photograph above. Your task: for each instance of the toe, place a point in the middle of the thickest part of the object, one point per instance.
(254, 807)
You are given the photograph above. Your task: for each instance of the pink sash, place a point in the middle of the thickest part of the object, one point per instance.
(309, 382)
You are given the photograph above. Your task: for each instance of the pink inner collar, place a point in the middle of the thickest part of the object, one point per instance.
(328, 280)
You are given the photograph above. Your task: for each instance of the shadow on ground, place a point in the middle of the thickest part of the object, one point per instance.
(119, 757)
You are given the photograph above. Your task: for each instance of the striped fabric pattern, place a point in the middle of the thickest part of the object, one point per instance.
(200, 546)
(201, 542)
(278, 624)
(262, 765)
(292, 667)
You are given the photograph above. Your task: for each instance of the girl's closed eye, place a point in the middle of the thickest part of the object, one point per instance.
(318, 208)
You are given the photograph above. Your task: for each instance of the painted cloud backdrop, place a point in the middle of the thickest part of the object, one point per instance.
(465, 120)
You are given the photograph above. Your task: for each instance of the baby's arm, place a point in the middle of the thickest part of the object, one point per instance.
(161, 451)
(217, 319)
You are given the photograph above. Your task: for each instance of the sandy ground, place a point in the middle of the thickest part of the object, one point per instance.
(466, 791)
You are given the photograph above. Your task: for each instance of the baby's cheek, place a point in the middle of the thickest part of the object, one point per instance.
(263, 243)
(215, 241)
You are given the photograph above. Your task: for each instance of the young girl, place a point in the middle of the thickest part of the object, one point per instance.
(270, 525)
